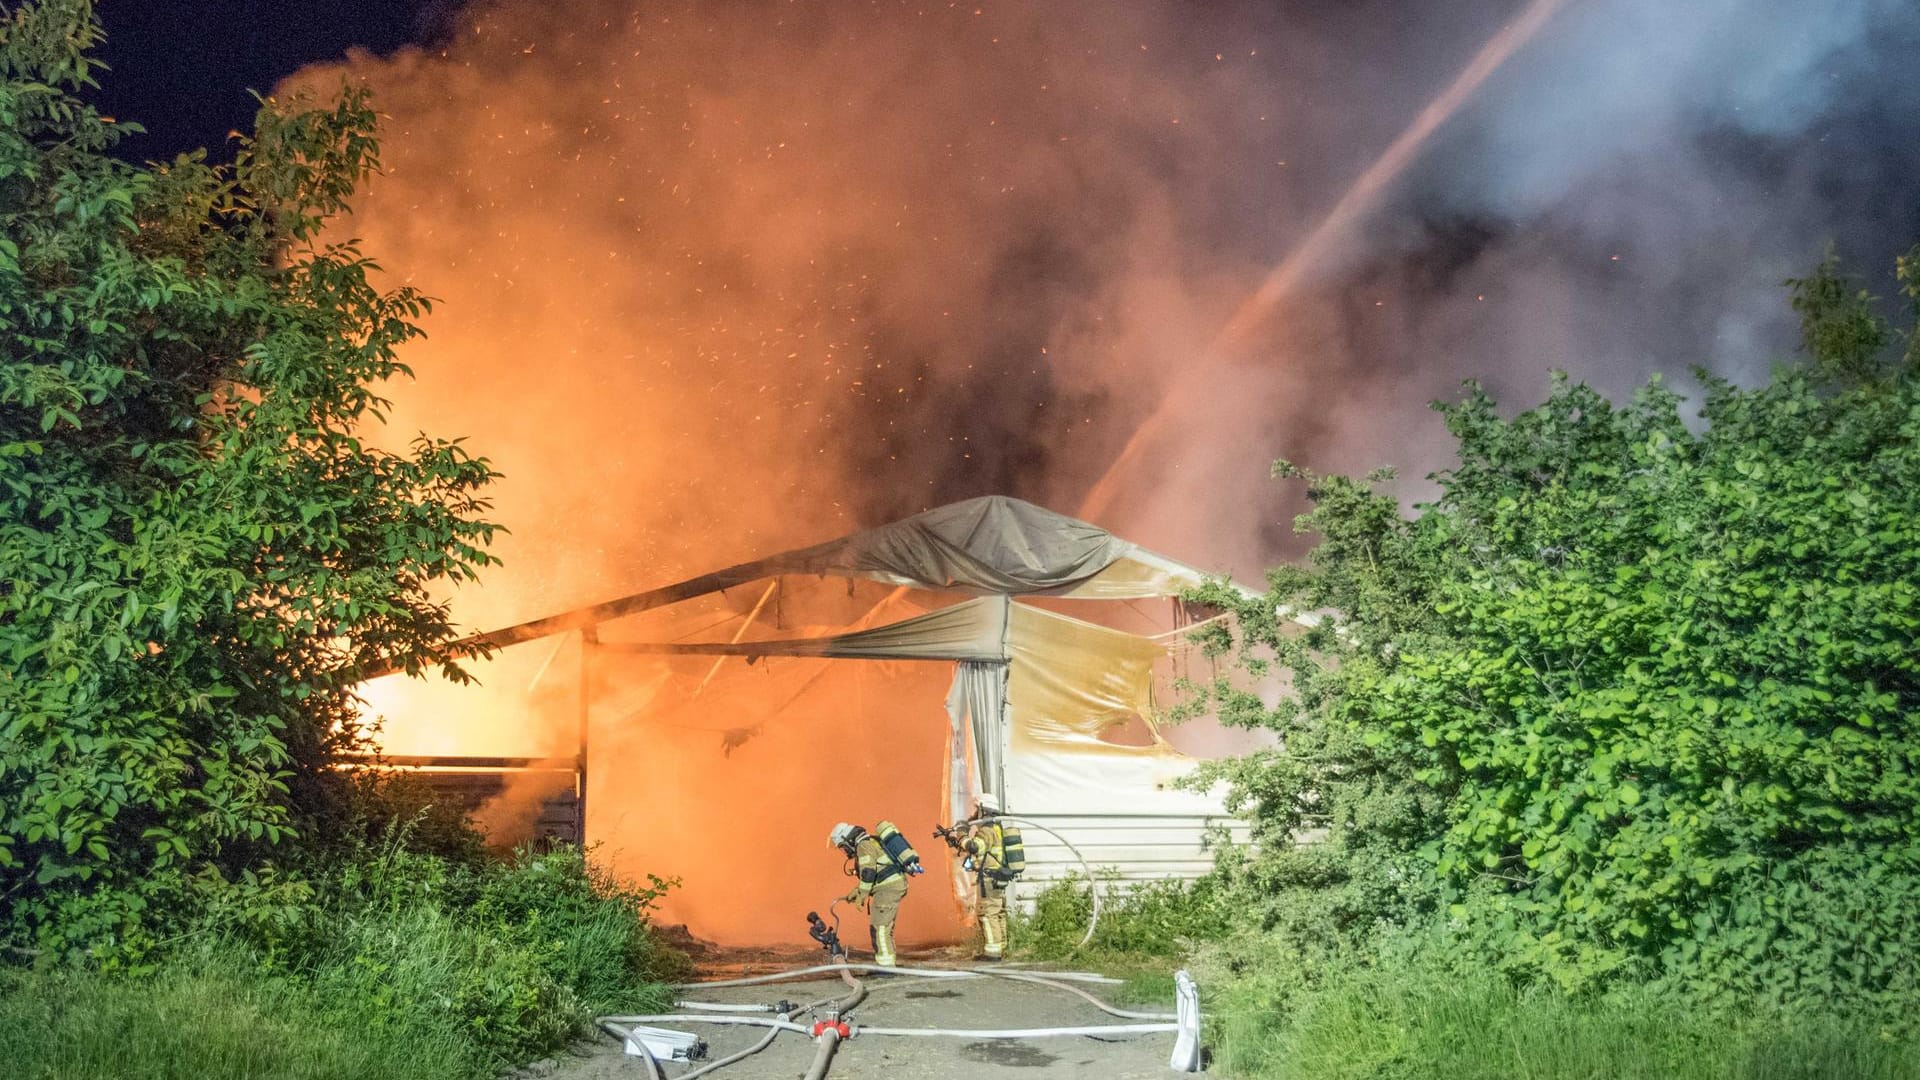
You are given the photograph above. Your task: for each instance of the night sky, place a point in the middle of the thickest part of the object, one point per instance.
(183, 69)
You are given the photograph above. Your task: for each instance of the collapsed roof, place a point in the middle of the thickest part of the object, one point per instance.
(1043, 710)
(991, 546)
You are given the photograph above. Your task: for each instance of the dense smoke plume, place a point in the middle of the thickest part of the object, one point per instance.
(722, 278)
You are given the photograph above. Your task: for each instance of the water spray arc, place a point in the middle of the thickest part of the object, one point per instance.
(1325, 242)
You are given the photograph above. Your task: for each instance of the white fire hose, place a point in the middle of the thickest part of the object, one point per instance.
(1184, 1023)
(1093, 887)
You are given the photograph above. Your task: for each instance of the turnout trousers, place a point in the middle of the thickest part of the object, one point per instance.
(881, 915)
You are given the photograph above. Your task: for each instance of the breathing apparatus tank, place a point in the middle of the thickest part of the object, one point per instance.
(1013, 852)
(897, 848)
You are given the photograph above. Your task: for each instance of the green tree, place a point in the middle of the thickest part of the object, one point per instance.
(198, 552)
(1636, 694)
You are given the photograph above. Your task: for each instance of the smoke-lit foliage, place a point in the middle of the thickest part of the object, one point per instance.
(1631, 695)
(197, 554)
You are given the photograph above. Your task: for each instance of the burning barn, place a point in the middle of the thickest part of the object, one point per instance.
(721, 724)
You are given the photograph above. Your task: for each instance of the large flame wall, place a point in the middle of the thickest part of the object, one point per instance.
(734, 792)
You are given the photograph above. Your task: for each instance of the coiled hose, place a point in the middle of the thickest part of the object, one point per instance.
(1093, 887)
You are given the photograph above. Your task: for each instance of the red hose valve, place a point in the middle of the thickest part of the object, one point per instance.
(838, 1027)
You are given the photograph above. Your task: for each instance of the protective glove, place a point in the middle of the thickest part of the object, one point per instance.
(851, 898)
(915, 870)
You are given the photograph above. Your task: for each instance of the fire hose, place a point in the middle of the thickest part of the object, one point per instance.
(612, 1024)
(823, 1054)
(932, 973)
(831, 1032)
(1057, 981)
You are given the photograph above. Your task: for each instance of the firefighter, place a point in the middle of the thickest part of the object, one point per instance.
(985, 849)
(881, 886)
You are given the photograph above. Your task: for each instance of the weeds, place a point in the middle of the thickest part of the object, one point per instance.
(1413, 1019)
(390, 963)
(1160, 919)
(1424, 1004)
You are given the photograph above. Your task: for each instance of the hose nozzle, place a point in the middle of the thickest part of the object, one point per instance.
(827, 936)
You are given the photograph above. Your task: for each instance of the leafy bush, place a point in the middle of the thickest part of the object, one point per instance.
(512, 957)
(1157, 920)
(597, 924)
(199, 557)
(450, 969)
(1632, 695)
(1821, 929)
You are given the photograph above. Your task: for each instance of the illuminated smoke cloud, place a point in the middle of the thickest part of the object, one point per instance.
(720, 277)
(723, 278)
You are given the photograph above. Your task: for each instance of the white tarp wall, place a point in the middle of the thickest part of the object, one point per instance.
(1068, 681)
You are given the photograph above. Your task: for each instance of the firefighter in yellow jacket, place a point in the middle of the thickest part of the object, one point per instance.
(985, 848)
(881, 886)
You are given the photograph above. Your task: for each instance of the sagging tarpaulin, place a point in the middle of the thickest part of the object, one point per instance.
(1068, 683)
(973, 630)
(991, 546)
(1032, 695)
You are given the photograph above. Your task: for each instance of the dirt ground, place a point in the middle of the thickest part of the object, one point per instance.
(901, 1001)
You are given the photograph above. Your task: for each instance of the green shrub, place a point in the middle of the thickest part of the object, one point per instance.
(1819, 931)
(1146, 929)
(201, 555)
(514, 957)
(1415, 1011)
(426, 971)
(596, 926)
(1634, 695)
(454, 970)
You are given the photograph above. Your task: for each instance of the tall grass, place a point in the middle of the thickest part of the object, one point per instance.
(210, 1019)
(1409, 1021)
(402, 967)
(1419, 1005)
(1416, 1011)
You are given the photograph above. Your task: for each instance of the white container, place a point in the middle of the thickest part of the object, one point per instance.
(662, 1044)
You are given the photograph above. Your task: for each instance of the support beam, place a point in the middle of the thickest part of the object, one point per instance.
(589, 644)
(453, 761)
(772, 587)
